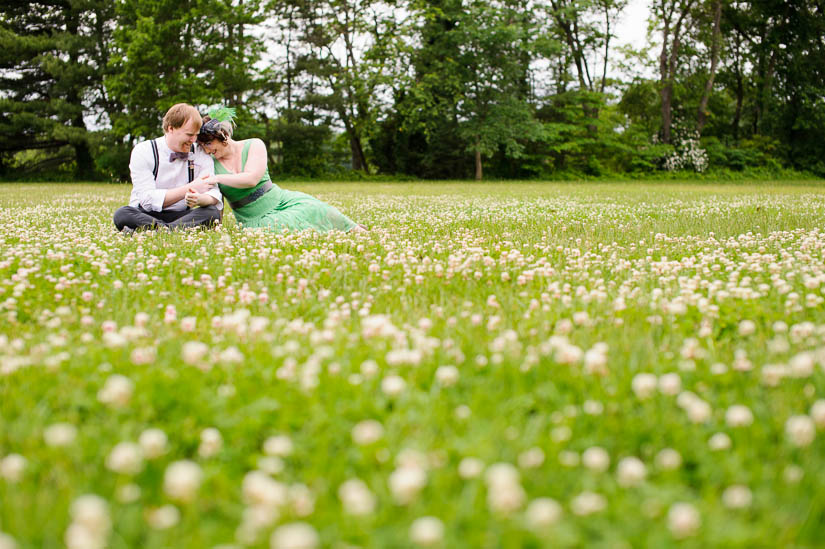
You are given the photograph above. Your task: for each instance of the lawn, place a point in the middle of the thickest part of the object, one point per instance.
(492, 365)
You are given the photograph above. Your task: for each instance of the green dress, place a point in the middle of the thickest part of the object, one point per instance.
(280, 209)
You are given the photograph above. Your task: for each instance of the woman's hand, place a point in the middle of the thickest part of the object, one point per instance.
(211, 181)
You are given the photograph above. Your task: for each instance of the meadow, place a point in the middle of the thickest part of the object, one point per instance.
(491, 365)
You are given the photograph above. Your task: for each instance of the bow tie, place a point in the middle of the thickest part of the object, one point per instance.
(178, 156)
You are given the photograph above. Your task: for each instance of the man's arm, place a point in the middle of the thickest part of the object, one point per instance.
(204, 167)
(144, 192)
(174, 195)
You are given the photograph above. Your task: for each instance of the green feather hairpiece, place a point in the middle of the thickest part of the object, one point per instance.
(223, 114)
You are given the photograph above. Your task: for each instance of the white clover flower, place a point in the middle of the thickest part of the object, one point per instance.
(683, 520)
(470, 467)
(181, 480)
(542, 513)
(668, 459)
(505, 498)
(800, 430)
(447, 376)
(79, 537)
(296, 535)
(670, 384)
(301, 499)
(153, 442)
(259, 489)
(793, 474)
(747, 327)
(462, 411)
(531, 458)
(802, 365)
(630, 471)
(367, 432)
(738, 416)
(369, 369)
(568, 458)
(211, 442)
(193, 352)
(128, 493)
(271, 465)
(163, 517)
(393, 385)
(231, 355)
(116, 392)
(737, 497)
(595, 361)
(188, 323)
(7, 542)
(504, 491)
(356, 497)
(588, 503)
(592, 407)
(596, 459)
(698, 411)
(502, 473)
(126, 458)
(91, 513)
(12, 467)
(60, 434)
(644, 385)
(719, 441)
(406, 483)
(279, 445)
(818, 413)
(427, 532)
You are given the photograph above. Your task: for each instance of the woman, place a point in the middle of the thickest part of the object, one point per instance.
(243, 178)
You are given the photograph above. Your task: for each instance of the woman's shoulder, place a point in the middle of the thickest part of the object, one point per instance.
(254, 142)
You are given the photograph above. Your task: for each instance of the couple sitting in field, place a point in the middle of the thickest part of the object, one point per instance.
(176, 184)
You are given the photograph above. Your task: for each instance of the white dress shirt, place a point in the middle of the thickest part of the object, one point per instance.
(150, 193)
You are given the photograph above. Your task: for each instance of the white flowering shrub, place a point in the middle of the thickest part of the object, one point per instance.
(687, 154)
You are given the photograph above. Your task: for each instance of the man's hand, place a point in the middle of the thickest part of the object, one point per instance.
(194, 198)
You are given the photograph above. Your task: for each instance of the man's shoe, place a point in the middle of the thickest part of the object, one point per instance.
(127, 231)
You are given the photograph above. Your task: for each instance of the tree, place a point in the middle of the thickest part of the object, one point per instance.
(493, 110)
(167, 52)
(673, 18)
(52, 57)
(349, 49)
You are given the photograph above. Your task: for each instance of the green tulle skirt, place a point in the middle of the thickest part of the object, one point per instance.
(280, 209)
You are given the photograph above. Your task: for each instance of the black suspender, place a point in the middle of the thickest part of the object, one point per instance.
(191, 162)
(157, 159)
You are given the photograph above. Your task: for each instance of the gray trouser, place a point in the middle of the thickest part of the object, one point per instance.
(135, 218)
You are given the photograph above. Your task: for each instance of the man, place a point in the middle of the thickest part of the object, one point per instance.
(166, 179)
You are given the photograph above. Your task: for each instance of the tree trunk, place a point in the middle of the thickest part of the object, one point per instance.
(359, 161)
(479, 173)
(702, 115)
(667, 59)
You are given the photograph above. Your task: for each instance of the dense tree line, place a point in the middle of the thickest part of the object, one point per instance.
(421, 88)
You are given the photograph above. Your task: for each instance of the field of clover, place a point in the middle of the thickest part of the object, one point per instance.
(499, 365)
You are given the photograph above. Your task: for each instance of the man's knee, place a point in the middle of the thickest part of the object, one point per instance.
(123, 215)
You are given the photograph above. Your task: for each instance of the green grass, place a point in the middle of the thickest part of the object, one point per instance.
(517, 285)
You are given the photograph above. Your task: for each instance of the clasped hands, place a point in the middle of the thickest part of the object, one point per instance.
(196, 192)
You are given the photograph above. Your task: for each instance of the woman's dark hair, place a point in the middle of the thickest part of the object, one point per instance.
(214, 129)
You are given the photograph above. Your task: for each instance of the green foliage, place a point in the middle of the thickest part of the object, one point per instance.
(427, 88)
(168, 53)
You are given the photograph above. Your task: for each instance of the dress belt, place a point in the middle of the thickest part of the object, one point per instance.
(249, 199)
